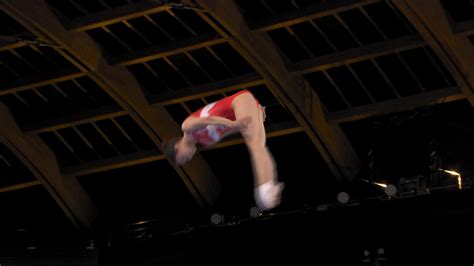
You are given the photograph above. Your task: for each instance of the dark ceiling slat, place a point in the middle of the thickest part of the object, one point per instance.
(432, 23)
(321, 10)
(218, 58)
(168, 61)
(264, 4)
(336, 87)
(356, 55)
(27, 84)
(130, 26)
(354, 74)
(438, 67)
(464, 28)
(328, 41)
(12, 45)
(119, 40)
(186, 26)
(385, 77)
(114, 163)
(21, 186)
(397, 105)
(156, 52)
(238, 82)
(344, 25)
(410, 71)
(115, 15)
(196, 63)
(300, 42)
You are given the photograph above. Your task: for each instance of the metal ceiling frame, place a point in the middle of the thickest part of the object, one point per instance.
(293, 92)
(285, 80)
(120, 85)
(38, 158)
(454, 50)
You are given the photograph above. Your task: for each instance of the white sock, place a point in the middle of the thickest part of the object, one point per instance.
(267, 195)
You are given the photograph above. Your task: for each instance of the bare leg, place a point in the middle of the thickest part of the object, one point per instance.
(255, 138)
(263, 165)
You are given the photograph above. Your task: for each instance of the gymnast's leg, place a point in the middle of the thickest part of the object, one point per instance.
(267, 188)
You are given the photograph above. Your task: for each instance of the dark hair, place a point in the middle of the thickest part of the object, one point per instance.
(169, 148)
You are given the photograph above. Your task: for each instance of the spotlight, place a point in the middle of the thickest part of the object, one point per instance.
(375, 183)
(366, 253)
(380, 184)
(343, 197)
(217, 218)
(390, 190)
(380, 251)
(454, 173)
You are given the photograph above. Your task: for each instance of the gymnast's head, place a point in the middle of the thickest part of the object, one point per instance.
(178, 150)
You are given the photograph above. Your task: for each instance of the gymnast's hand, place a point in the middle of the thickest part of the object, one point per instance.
(242, 123)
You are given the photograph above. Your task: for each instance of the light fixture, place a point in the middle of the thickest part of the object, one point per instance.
(380, 184)
(375, 183)
(454, 173)
(366, 253)
(390, 190)
(217, 218)
(343, 197)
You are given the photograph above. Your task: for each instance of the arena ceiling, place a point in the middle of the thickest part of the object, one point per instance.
(90, 89)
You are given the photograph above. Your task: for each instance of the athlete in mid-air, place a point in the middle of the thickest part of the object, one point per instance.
(238, 113)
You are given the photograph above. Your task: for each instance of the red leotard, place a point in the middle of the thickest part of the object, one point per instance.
(212, 134)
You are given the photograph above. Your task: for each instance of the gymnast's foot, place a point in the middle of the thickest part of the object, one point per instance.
(268, 195)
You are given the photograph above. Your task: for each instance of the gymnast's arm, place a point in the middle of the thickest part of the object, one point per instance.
(192, 123)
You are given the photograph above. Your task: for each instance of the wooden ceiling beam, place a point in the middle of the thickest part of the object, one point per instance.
(431, 21)
(21, 186)
(293, 92)
(42, 163)
(74, 120)
(465, 28)
(208, 89)
(275, 130)
(356, 55)
(397, 105)
(325, 8)
(165, 50)
(115, 15)
(120, 84)
(26, 84)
